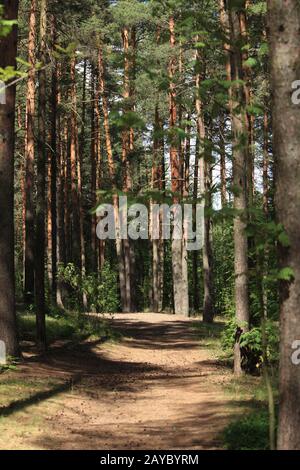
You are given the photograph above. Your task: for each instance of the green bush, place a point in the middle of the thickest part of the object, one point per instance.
(101, 289)
(252, 340)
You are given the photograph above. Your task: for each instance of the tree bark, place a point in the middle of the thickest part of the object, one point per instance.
(266, 164)
(41, 189)
(53, 166)
(61, 233)
(179, 253)
(204, 173)
(112, 174)
(284, 38)
(157, 244)
(75, 216)
(8, 327)
(240, 164)
(208, 306)
(29, 162)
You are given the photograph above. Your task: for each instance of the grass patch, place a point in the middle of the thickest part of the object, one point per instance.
(68, 326)
(15, 389)
(250, 431)
(210, 337)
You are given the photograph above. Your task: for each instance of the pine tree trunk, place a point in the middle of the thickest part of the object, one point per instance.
(53, 164)
(240, 163)
(284, 27)
(41, 189)
(93, 154)
(266, 164)
(61, 234)
(76, 245)
(127, 149)
(112, 174)
(8, 327)
(204, 190)
(29, 162)
(208, 307)
(223, 162)
(195, 254)
(98, 164)
(179, 254)
(157, 244)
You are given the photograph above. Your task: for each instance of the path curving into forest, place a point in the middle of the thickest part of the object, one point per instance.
(156, 389)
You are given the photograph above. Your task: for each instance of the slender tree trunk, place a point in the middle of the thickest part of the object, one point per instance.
(8, 327)
(41, 189)
(67, 191)
(266, 164)
(53, 165)
(61, 239)
(112, 174)
(49, 217)
(76, 245)
(157, 244)
(127, 149)
(284, 27)
(29, 162)
(240, 162)
(93, 168)
(81, 222)
(223, 162)
(204, 190)
(208, 307)
(179, 253)
(196, 289)
(98, 165)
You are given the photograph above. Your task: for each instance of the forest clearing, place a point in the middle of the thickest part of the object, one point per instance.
(149, 225)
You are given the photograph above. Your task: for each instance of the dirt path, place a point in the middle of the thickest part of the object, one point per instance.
(157, 389)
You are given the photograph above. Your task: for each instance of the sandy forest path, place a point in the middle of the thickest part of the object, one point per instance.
(156, 389)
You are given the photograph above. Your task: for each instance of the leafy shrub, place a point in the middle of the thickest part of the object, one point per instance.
(251, 342)
(101, 290)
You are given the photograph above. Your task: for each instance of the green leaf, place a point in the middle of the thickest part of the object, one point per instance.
(286, 274)
(284, 239)
(250, 62)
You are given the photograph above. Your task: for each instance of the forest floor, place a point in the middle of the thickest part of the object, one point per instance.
(160, 387)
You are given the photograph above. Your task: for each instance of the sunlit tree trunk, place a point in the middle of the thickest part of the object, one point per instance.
(240, 166)
(61, 234)
(204, 191)
(222, 148)
(93, 156)
(127, 149)
(41, 188)
(8, 327)
(284, 27)
(112, 174)
(179, 253)
(76, 245)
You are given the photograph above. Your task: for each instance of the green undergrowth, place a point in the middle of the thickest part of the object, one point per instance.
(71, 326)
(250, 430)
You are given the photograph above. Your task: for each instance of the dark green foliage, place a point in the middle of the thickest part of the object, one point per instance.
(248, 433)
(101, 289)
